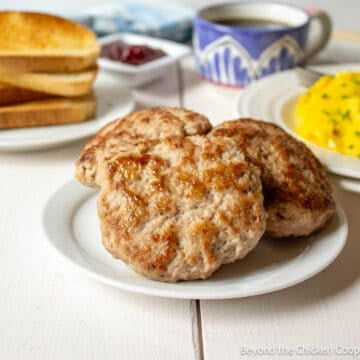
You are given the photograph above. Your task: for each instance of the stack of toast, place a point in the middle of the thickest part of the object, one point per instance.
(47, 70)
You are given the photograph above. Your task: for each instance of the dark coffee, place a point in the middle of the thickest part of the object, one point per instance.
(253, 23)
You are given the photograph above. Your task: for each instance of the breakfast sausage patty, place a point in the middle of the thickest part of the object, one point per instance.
(297, 196)
(178, 208)
(135, 128)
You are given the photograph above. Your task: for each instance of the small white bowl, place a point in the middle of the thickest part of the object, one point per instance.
(136, 75)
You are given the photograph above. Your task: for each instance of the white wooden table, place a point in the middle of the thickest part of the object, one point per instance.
(50, 311)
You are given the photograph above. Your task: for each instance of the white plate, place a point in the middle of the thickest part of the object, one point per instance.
(274, 99)
(72, 229)
(136, 75)
(346, 183)
(113, 100)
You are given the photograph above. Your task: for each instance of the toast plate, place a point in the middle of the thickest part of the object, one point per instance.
(274, 99)
(71, 228)
(113, 100)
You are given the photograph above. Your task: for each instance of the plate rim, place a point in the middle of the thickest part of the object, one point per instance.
(240, 111)
(86, 193)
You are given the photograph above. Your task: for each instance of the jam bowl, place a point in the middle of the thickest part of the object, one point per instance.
(136, 59)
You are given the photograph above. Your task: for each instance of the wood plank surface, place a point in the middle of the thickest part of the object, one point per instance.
(319, 313)
(50, 311)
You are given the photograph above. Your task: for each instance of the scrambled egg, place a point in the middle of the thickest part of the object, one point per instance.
(328, 114)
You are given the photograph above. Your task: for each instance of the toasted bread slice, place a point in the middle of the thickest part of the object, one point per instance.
(61, 84)
(32, 41)
(48, 112)
(10, 95)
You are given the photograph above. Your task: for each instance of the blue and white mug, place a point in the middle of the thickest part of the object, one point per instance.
(240, 42)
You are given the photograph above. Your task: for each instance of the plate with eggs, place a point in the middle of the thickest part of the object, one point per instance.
(326, 116)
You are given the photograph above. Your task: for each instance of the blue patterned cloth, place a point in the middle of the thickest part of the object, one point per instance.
(163, 20)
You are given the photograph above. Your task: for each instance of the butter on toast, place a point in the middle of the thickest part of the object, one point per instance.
(32, 41)
(48, 112)
(61, 84)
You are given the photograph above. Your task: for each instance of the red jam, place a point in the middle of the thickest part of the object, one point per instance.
(130, 54)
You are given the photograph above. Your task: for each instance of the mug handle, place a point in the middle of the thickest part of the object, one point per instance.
(325, 31)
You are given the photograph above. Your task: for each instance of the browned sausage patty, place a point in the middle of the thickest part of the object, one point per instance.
(178, 208)
(135, 128)
(298, 197)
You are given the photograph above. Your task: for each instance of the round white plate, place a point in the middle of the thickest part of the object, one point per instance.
(113, 101)
(72, 229)
(274, 99)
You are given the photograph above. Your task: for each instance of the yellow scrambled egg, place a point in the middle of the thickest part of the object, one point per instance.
(328, 114)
